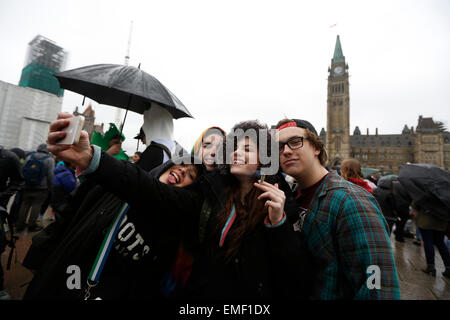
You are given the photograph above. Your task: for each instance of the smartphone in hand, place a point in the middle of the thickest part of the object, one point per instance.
(73, 131)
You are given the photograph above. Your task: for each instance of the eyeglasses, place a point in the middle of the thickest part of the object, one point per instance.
(293, 143)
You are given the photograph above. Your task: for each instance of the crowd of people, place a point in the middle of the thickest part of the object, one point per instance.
(168, 224)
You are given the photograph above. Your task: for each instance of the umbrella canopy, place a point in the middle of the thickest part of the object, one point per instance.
(368, 171)
(122, 86)
(385, 182)
(429, 186)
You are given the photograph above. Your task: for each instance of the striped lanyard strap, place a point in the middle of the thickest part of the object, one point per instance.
(105, 248)
(227, 225)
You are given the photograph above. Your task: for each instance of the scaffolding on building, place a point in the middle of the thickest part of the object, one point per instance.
(43, 59)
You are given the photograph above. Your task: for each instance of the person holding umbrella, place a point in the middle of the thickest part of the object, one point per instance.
(429, 188)
(432, 230)
(157, 134)
(134, 90)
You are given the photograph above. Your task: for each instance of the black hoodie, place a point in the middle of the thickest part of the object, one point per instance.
(140, 255)
(11, 178)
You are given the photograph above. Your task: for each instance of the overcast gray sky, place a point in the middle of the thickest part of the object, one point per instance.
(229, 61)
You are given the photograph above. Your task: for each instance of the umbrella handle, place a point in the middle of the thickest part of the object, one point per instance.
(126, 112)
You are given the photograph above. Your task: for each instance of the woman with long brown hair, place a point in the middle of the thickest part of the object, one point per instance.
(351, 171)
(250, 248)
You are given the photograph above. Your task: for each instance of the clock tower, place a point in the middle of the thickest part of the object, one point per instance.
(338, 109)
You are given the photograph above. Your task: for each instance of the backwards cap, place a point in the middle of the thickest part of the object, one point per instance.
(300, 124)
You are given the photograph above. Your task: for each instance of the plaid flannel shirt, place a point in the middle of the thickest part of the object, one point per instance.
(346, 233)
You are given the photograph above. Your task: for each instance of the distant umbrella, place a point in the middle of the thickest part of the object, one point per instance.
(429, 186)
(385, 182)
(367, 172)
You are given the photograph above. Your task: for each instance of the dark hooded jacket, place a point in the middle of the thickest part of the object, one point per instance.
(139, 257)
(385, 197)
(271, 262)
(402, 200)
(64, 183)
(11, 179)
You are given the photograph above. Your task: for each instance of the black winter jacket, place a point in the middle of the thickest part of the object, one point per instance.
(134, 265)
(11, 179)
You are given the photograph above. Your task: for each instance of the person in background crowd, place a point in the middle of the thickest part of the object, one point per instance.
(342, 224)
(432, 231)
(38, 174)
(401, 203)
(20, 154)
(351, 171)
(385, 197)
(11, 180)
(115, 145)
(372, 185)
(206, 147)
(157, 134)
(14, 211)
(136, 157)
(417, 237)
(64, 183)
(374, 179)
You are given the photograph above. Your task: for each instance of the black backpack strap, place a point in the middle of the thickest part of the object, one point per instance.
(159, 145)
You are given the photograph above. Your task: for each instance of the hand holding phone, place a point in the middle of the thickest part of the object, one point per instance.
(73, 131)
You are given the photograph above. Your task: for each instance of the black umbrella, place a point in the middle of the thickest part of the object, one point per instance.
(429, 186)
(385, 182)
(122, 86)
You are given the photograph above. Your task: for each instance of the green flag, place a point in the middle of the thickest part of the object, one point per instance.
(103, 140)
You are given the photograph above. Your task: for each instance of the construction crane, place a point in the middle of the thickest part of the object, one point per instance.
(119, 125)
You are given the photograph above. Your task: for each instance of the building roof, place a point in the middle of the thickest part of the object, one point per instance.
(89, 111)
(383, 140)
(406, 130)
(338, 55)
(426, 125)
(322, 132)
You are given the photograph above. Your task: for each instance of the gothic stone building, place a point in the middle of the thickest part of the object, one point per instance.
(426, 144)
(89, 121)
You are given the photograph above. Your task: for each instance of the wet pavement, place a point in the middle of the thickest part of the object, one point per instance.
(414, 284)
(410, 259)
